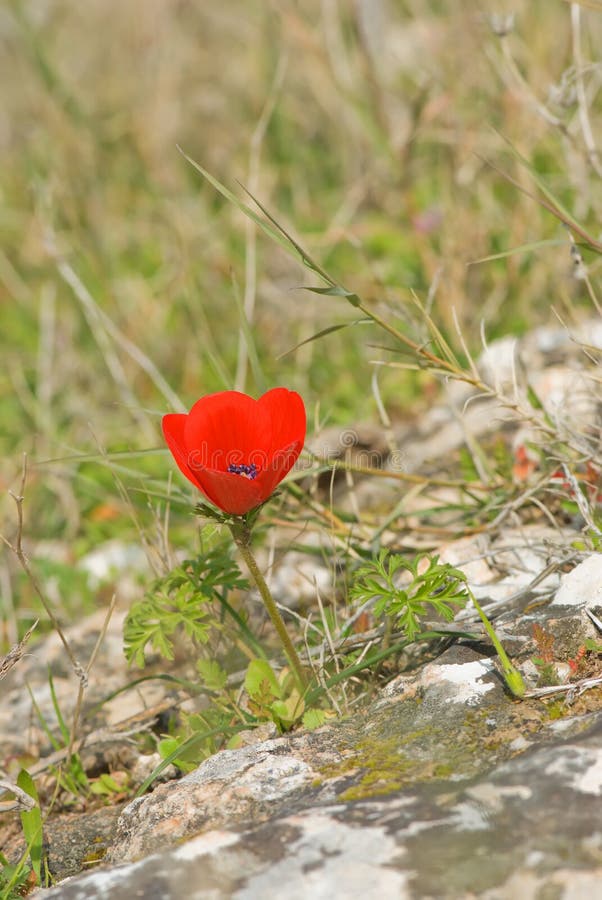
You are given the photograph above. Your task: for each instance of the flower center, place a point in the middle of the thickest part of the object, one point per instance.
(249, 472)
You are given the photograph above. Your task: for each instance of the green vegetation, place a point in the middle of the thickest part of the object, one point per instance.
(246, 195)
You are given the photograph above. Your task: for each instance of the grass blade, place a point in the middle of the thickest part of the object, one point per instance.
(186, 745)
(320, 334)
(523, 248)
(232, 198)
(31, 822)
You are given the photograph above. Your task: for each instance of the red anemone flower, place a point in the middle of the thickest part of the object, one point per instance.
(235, 449)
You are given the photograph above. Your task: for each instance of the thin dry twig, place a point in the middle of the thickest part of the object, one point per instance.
(573, 689)
(103, 329)
(82, 686)
(581, 500)
(406, 476)
(597, 622)
(17, 549)
(584, 121)
(328, 640)
(22, 800)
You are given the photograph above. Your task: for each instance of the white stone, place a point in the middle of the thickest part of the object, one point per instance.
(468, 817)
(468, 554)
(590, 782)
(113, 560)
(582, 586)
(492, 796)
(465, 680)
(566, 394)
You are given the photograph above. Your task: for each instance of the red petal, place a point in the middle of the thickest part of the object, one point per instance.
(231, 493)
(173, 430)
(287, 415)
(226, 428)
(230, 427)
(281, 463)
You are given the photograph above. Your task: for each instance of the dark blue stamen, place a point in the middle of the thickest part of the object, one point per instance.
(248, 471)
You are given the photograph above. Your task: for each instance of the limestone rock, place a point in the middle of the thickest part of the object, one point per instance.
(232, 786)
(502, 834)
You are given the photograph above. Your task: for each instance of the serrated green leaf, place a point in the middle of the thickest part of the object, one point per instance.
(314, 718)
(212, 674)
(440, 587)
(182, 601)
(261, 683)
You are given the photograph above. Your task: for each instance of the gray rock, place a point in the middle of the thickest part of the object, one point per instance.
(233, 785)
(504, 831)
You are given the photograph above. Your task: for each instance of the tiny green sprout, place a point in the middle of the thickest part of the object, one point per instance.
(512, 677)
(273, 697)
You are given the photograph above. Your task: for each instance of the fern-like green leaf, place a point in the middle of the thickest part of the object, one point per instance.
(439, 589)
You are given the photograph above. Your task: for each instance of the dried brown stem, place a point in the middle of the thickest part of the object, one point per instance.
(17, 549)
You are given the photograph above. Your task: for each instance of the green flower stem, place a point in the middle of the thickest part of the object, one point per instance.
(242, 537)
(512, 676)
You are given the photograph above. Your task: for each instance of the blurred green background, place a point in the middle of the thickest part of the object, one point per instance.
(367, 128)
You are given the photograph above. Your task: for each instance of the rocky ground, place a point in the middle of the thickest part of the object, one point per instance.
(443, 786)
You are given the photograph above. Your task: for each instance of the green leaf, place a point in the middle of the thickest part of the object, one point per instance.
(261, 683)
(57, 710)
(183, 601)
(337, 290)
(269, 225)
(592, 645)
(232, 198)
(441, 587)
(314, 718)
(105, 785)
(212, 674)
(286, 712)
(31, 822)
(171, 748)
(320, 334)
